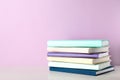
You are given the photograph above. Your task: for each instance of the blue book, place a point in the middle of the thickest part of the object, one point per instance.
(83, 71)
(78, 43)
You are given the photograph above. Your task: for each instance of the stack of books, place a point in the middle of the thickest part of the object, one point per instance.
(90, 57)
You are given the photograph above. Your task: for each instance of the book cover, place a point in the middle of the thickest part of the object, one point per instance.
(79, 60)
(77, 55)
(77, 43)
(83, 71)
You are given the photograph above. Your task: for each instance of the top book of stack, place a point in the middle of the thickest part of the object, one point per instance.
(78, 43)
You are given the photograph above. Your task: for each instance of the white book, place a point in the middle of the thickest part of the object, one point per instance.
(79, 50)
(80, 60)
(79, 66)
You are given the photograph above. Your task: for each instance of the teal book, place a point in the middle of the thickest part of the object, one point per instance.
(78, 43)
(83, 71)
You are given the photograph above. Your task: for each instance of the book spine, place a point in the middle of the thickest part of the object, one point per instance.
(71, 60)
(77, 71)
(79, 50)
(75, 66)
(79, 43)
(80, 60)
(81, 55)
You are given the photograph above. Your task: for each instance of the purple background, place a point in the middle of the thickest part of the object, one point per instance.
(26, 25)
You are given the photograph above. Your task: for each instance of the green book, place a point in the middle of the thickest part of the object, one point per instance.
(78, 43)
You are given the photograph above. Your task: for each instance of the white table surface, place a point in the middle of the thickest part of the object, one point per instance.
(114, 75)
(40, 73)
(23, 73)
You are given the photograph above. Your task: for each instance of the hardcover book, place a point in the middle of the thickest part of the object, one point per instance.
(79, 66)
(77, 55)
(78, 43)
(80, 60)
(83, 71)
(79, 50)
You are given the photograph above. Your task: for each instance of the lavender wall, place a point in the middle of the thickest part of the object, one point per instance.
(26, 25)
(22, 25)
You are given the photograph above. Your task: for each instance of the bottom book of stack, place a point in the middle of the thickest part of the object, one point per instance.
(83, 71)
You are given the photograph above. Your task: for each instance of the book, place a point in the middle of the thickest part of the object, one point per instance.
(79, 60)
(79, 50)
(77, 43)
(83, 71)
(79, 66)
(77, 55)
